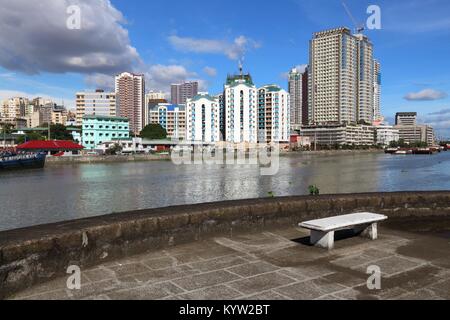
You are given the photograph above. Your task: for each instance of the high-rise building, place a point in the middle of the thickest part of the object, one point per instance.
(170, 117)
(152, 99)
(406, 119)
(341, 78)
(377, 116)
(59, 115)
(298, 92)
(183, 91)
(273, 114)
(15, 108)
(95, 103)
(365, 81)
(130, 99)
(241, 109)
(202, 118)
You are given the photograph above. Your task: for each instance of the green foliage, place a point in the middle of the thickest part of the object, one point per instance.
(31, 136)
(114, 150)
(58, 132)
(271, 194)
(6, 127)
(403, 144)
(153, 132)
(313, 190)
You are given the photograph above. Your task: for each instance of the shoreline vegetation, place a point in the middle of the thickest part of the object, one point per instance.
(90, 159)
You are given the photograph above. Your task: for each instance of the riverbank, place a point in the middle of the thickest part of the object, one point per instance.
(164, 157)
(106, 159)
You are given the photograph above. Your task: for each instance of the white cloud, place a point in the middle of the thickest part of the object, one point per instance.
(212, 72)
(34, 38)
(233, 50)
(426, 95)
(300, 68)
(100, 81)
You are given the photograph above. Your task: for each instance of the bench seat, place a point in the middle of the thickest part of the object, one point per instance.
(322, 230)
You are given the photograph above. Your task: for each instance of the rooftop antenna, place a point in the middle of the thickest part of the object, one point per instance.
(359, 28)
(241, 68)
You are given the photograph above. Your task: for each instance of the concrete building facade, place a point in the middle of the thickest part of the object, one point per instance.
(95, 103)
(298, 92)
(172, 118)
(97, 129)
(130, 99)
(273, 114)
(241, 109)
(341, 78)
(202, 119)
(183, 91)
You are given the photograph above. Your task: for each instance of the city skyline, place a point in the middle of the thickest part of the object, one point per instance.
(173, 53)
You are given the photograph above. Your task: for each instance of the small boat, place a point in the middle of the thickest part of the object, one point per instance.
(403, 152)
(13, 161)
(423, 151)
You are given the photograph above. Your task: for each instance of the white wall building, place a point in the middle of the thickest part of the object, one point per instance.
(202, 118)
(241, 109)
(386, 134)
(273, 114)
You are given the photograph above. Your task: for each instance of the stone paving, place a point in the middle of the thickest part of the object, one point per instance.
(268, 266)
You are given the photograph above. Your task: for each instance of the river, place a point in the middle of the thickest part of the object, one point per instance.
(59, 193)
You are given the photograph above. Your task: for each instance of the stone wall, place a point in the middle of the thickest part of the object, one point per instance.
(37, 254)
(105, 159)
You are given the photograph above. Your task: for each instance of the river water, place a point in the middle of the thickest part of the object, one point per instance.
(59, 193)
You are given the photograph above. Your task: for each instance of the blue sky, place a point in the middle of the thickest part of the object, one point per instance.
(176, 40)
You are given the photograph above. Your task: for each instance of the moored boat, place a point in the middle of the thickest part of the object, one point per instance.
(11, 161)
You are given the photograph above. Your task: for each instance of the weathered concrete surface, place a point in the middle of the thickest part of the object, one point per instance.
(35, 255)
(276, 264)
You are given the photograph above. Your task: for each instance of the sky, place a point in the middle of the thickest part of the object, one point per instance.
(173, 41)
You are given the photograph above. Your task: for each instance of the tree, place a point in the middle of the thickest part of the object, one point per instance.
(59, 132)
(114, 150)
(31, 136)
(153, 132)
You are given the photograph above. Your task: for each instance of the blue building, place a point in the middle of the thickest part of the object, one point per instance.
(98, 129)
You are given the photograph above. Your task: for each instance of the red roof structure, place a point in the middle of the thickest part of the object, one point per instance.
(52, 145)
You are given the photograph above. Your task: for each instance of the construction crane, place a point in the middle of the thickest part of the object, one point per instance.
(358, 27)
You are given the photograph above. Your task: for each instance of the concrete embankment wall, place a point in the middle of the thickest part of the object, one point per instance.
(37, 254)
(104, 159)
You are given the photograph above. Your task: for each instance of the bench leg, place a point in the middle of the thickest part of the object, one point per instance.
(323, 240)
(370, 231)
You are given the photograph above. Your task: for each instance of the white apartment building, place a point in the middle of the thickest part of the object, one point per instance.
(273, 114)
(202, 119)
(130, 99)
(340, 78)
(386, 134)
(241, 109)
(170, 117)
(95, 103)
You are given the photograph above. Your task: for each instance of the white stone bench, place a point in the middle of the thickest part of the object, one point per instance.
(322, 230)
